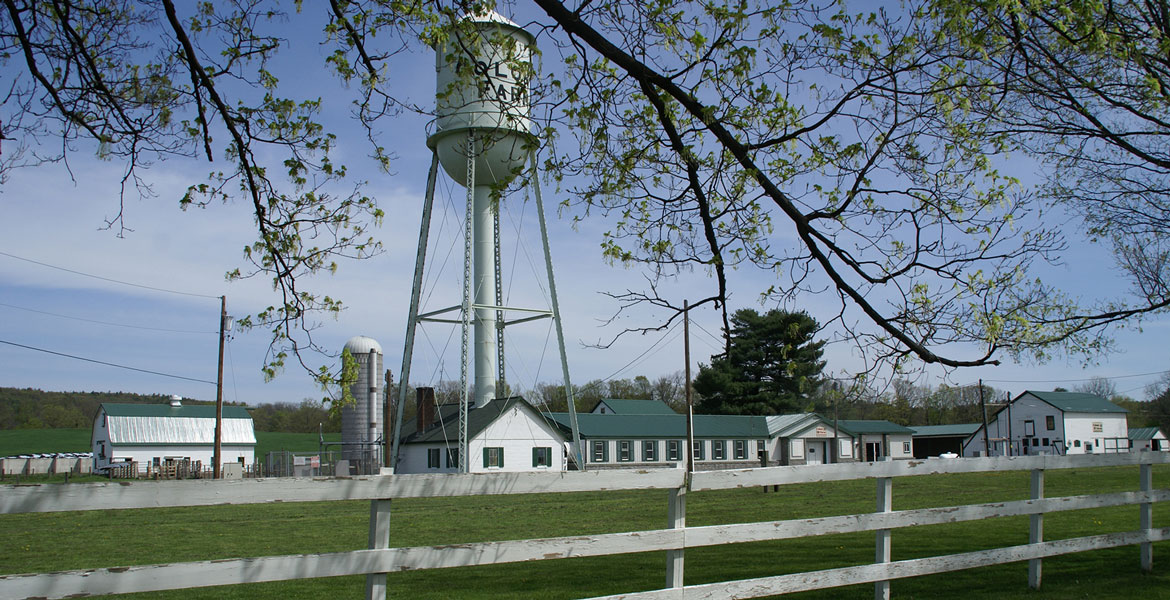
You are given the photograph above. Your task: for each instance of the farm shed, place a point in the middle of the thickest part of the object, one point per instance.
(155, 434)
(615, 406)
(1053, 423)
(879, 439)
(1148, 438)
(506, 434)
(807, 438)
(658, 440)
(933, 440)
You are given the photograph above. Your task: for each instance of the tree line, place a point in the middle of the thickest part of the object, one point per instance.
(30, 408)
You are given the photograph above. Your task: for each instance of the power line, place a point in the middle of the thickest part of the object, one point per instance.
(102, 322)
(1072, 380)
(137, 285)
(108, 364)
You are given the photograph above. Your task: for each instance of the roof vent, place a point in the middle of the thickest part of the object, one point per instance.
(176, 400)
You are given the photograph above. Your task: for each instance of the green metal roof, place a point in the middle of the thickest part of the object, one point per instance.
(637, 407)
(872, 426)
(1077, 402)
(963, 429)
(195, 411)
(446, 425)
(1143, 433)
(666, 426)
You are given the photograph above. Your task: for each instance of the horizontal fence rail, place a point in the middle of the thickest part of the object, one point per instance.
(377, 562)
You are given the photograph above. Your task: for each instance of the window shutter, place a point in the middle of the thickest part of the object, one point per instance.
(485, 458)
(535, 454)
(501, 458)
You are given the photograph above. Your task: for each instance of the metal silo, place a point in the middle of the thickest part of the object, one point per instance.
(360, 422)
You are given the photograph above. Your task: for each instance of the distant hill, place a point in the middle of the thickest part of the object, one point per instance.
(29, 408)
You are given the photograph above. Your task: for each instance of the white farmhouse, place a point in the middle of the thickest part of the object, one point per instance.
(154, 435)
(1053, 423)
(504, 435)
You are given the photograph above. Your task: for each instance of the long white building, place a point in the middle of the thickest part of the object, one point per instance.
(154, 434)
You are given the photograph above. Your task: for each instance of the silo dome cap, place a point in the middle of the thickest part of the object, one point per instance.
(362, 345)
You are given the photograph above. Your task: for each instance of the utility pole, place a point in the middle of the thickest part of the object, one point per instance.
(983, 406)
(218, 454)
(387, 428)
(690, 407)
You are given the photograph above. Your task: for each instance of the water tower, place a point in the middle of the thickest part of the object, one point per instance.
(482, 138)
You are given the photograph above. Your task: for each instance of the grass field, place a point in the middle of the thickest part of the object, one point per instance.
(46, 542)
(37, 441)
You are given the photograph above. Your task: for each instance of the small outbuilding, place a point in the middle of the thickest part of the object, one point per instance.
(1148, 438)
(159, 435)
(934, 440)
(880, 439)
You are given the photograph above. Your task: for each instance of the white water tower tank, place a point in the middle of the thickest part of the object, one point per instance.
(483, 78)
(356, 430)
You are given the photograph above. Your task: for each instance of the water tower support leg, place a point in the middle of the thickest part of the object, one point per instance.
(412, 317)
(556, 310)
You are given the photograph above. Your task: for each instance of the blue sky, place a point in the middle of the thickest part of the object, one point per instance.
(55, 217)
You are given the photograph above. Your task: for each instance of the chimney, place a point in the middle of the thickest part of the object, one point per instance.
(426, 408)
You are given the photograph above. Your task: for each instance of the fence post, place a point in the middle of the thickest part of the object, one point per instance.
(379, 538)
(1147, 517)
(1036, 530)
(676, 516)
(883, 554)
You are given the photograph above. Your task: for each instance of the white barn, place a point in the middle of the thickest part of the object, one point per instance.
(1053, 423)
(153, 434)
(504, 435)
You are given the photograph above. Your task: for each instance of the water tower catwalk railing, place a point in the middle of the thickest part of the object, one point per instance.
(482, 140)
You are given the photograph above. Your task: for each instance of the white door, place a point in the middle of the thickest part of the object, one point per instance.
(815, 453)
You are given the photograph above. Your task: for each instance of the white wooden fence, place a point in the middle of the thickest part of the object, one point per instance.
(381, 559)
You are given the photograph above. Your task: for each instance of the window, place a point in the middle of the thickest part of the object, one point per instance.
(1035, 442)
(1029, 428)
(542, 457)
(493, 458)
(673, 449)
(452, 458)
(905, 447)
(740, 449)
(432, 458)
(625, 451)
(650, 451)
(697, 450)
(1044, 442)
(1076, 443)
(719, 450)
(1050, 422)
(1097, 428)
(600, 451)
(761, 447)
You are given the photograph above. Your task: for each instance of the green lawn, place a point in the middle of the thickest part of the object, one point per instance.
(46, 542)
(40, 441)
